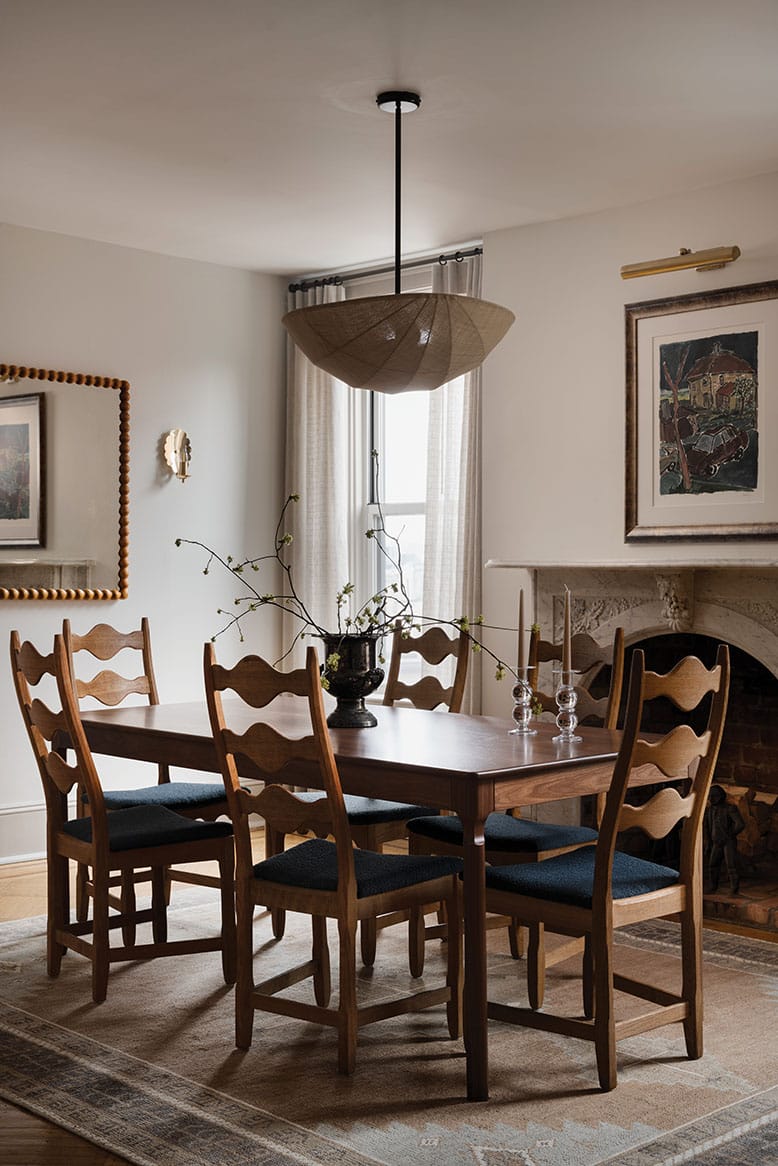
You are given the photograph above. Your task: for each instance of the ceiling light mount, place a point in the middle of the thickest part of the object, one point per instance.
(709, 260)
(400, 342)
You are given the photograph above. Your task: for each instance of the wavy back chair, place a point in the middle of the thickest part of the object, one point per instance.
(588, 658)
(508, 837)
(323, 878)
(593, 891)
(434, 646)
(374, 821)
(203, 800)
(125, 840)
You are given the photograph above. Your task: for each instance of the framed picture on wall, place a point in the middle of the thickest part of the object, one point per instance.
(22, 471)
(702, 433)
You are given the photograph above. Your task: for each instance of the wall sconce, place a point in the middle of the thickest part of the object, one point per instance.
(702, 260)
(178, 453)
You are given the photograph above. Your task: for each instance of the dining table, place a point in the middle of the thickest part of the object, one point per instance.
(470, 765)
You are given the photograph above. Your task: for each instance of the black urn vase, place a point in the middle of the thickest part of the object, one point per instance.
(355, 677)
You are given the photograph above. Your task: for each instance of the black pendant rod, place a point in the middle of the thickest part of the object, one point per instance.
(398, 132)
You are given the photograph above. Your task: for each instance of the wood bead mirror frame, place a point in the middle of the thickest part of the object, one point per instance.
(82, 456)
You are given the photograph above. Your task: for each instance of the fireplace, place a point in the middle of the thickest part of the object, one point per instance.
(672, 610)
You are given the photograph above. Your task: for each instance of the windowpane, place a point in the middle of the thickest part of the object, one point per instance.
(404, 452)
(409, 529)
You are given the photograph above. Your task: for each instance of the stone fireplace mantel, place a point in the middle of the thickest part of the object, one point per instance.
(735, 601)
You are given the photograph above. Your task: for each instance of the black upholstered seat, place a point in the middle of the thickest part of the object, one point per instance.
(139, 826)
(505, 833)
(314, 865)
(569, 878)
(175, 795)
(372, 811)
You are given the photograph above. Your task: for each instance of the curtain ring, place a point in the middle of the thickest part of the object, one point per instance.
(459, 257)
(442, 260)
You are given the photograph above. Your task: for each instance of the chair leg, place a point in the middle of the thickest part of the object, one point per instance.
(516, 939)
(82, 892)
(58, 912)
(604, 1019)
(159, 886)
(129, 908)
(454, 967)
(536, 965)
(244, 983)
(227, 885)
(368, 936)
(347, 1004)
(416, 940)
(587, 978)
(691, 958)
(274, 844)
(100, 936)
(322, 981)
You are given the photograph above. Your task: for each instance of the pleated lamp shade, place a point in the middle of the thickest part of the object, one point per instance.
(400, 342)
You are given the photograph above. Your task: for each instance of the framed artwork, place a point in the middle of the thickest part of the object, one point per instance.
(22, 471)
(702, 431)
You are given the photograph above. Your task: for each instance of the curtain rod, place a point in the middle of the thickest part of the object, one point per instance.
(326, 281)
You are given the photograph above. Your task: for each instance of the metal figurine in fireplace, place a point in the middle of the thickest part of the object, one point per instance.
(721, 825)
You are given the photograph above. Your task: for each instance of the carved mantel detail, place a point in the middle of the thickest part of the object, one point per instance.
(676, 592)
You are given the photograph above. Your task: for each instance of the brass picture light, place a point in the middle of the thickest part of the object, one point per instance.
(702, 260)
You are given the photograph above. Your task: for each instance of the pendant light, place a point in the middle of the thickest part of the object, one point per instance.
(405, 341)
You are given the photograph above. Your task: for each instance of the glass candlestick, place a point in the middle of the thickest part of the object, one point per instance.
(523, 697)
(566, 699)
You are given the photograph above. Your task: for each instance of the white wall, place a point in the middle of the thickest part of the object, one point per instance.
(202, 348)
(554, 389)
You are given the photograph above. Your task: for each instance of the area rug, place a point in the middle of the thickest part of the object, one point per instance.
(153, 1075)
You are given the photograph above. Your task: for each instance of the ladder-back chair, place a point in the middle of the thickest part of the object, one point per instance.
(508, 837)
(592, 891)
(125, 840)
(375, 822)
(319, 877)
(194, 799)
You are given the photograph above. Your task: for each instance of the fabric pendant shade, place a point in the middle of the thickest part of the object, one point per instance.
(399, 342)
(405, 341)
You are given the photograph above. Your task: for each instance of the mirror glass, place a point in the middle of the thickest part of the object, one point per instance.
(64, 448)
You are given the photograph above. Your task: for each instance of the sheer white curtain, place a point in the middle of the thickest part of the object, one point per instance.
(318, 468)
(452, 552)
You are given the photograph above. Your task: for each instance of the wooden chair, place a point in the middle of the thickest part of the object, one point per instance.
(508, 837)
(373, 821)
(202, 800)
(588, 658)
(321, 878)
(592, 891)
(125, 840)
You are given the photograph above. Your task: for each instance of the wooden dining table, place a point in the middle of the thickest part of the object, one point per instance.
(471, 765)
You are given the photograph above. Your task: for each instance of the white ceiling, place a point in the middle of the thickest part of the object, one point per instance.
(245, 132)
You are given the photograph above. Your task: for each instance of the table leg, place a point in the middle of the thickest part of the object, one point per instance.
(475, 1020)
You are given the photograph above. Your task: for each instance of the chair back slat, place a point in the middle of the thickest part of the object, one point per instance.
(111, 689)
(103, 642)
(686, 685)
(659, 815)
(268, 749)
(258, 684)
(426, 693)
(673, 755)
(586, 705)
(679, 754)
(63, 775)
(291, 815)
(434, 646)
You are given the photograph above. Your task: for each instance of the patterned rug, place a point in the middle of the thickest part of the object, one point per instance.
(153, 1076)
